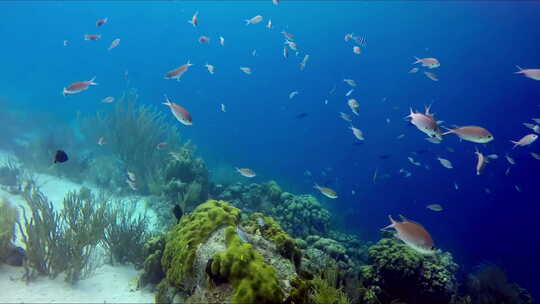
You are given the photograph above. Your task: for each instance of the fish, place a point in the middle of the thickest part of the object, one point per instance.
(510, 160)
(507, 171)
(354, 105)
(360, 40)
(356, 49)
(412, 161)
(350, 82)
(529, 73)
(194, 19)
(288, 36)
(223, 108)
(246, 172)
(275, 2)
(78, 86)
(260, 221)
(92, 37)
(242, 234)
(162, 145)
(304, 62)
(413, 234)
(328, 192)
(221, 40)
(292, 45)
(349, 93)
(66, 43)
(210, 68)
(429, 63)
(535, 128)
(431, 76)
(179, 112)
(292, 94)
(204, 39)
(348, 37)
(345, 116)
(414, 70)
(107, 99)
(518, 189)
(456, 186)
(60, 157)
(178, 72)
(178, 213)
(131, 184)
(435, 207)
(254, 20)
(301, 115)
(101, 22)
(535, 155)
(425, 122)
(400, 136)
(269, 24)
(474, 134)
(525, 140)
(246, 70)
(131, 176)
(114, 44)
(493, 156)
(445, 163)
(285, 52)
(481, 162)
(536, 120)
(357, 133)
(101, 141)
(375, 175)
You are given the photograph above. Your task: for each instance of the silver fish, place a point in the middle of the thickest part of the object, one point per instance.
(242, 234)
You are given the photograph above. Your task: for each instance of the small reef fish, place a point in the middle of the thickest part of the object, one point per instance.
(194, 19)
(114, 44)
(445, 163)
(431, 76)
(350, 82)
(518, 189)
(412, 234)
(529, 73)
(101, 22)
(374, 176)
(107, 99)
(348, 37)
(493, 156)
(92, 37)
(349, 93)
(357, 133)
(285, 52)
(481, 162)
(413, 70)
(425, 122)
(535, 128)
(204, 39)
(78, 86)
(223, 108)
(269, 24)
(246, 172)
(535, 155)
(254, 20)
(510, 160)
(429, 63)
(210, 68)
(435, 207)
(246, 70)
(162, 145)
(412, 161)
(400, 136)
(292, 45)
(354, 105)
(456, 186)
(101, 141)
(356, 49)
(275, 2)
(345, 116)
(525, 140)
(178, 72)
(507, 171)
(292, 94)
(474, 134)
(179, 112)
(131, 176)
(221, 40)
(66, 43)
(60, 157)
(330, 193)
(132, 185)
(304, 62)
(405, 172)
(288, 36)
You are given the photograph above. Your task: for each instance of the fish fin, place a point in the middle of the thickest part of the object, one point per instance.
(247, 21)
(427, 108)
(403, 219)
(516, 143)
(519, 68)
(417, 60)
(64, 92)
(92, 81)
(392, 223)
(410, 113)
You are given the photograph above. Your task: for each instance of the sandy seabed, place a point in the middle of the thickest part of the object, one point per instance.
(107, 284)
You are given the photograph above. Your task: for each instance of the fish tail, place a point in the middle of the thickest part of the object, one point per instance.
(519, 68)
(417, 60)
(92, 81)
(448, 131)
(247, 21)
(516, 143)
(392, 223)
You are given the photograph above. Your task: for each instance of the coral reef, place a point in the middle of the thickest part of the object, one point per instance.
(325, 289)
(152, 271)
(489, 284)
(398, 272)
(11, 176)
(8, 218)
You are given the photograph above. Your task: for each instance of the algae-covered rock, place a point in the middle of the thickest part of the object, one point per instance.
(152, 271)
(399, 272)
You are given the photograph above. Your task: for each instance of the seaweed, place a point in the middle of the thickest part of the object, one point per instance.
(132, 133)
(326, 288)
(126, 234)
(8, 218)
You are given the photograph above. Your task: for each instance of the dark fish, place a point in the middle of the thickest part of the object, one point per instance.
(60, 157)
(177, 211)
(302, 115)
(384, 156)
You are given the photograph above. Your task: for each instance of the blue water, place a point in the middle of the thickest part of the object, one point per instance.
(477, 43)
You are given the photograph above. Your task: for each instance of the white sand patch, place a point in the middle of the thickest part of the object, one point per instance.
(107, 285)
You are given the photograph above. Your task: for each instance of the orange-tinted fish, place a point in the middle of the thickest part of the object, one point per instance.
(246, 172)
(354, 105)
(431, 76)
(107, 99)
(204, 39)
(181, 114)
(529, 73)
(288, 36)
(429, 63)
(481, 161)
(348, 36)
(357, 133)
(101, 22)
(246, 70)
(92, 37)
(194, 19)
(471, 133)
(525, 140)
(114, 44)
(210, 68)
(78, 86)
(178, 72)
(412, 234)
(330, 193)
(425, 122)
(254, 20)
(356, 49)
